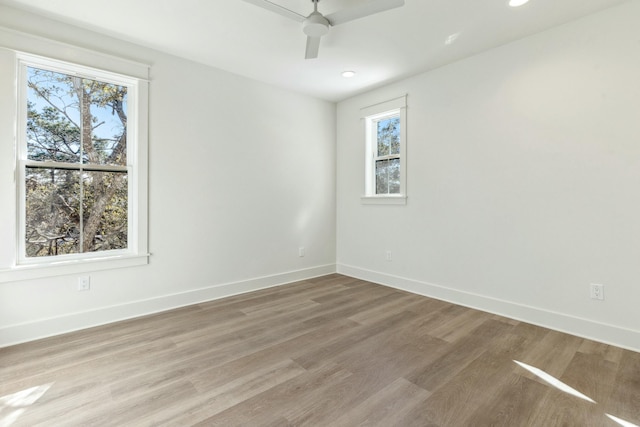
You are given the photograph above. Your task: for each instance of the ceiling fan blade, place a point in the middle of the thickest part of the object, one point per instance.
(366, 9)
(266, 4)
(313, 44)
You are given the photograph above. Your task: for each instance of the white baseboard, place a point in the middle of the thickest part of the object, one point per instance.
(43, 328)
(602, 332)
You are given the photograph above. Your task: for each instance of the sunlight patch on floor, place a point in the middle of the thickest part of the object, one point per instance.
(13, 405)
(621, 422)
(567, 389)
(554, 381)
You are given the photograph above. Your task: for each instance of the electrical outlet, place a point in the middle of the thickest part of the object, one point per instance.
(301, 251)
(84, 283)
(388, 256)
(597, 291)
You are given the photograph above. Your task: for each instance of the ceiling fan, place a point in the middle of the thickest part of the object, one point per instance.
(317, 25)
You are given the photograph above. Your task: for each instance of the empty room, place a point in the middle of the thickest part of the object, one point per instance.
(320, 213)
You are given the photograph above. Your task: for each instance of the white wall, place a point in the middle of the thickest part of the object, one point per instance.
(523, 181)
(241, 175)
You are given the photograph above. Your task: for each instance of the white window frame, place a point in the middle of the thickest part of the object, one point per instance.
(14, 265)
(371, 115)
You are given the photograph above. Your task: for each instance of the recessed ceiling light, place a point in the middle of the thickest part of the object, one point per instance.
(516, 3)
(348, 74)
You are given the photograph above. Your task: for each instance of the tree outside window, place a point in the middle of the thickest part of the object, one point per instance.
(387, 159)
(75, 171)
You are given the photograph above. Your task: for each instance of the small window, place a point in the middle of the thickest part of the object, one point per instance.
(77, 162)
(385, 168)
(386, 158)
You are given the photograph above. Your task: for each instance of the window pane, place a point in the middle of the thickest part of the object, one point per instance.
(388, 176)
(52, 212)
(53, 117)
(65, 112)
(106, 141)
(104, 211)
(388, 136)
(382, 177)
(394, 176)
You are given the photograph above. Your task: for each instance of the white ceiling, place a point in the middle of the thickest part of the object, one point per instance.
(239, 37)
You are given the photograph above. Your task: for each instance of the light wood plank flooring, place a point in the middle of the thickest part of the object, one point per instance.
(332, 351)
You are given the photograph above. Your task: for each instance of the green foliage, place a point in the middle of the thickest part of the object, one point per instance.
(52, 209)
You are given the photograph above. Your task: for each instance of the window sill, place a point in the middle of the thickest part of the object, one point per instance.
(62, 268)
(384, 200)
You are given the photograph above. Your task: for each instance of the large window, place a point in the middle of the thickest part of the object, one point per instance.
(385, 168)
(74, 163)
(79, 149)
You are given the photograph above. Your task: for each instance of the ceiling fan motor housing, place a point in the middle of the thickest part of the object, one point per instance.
(315, 25)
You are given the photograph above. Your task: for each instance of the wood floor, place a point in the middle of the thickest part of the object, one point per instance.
(332, 351)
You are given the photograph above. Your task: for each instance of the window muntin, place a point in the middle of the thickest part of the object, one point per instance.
(75, 162)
